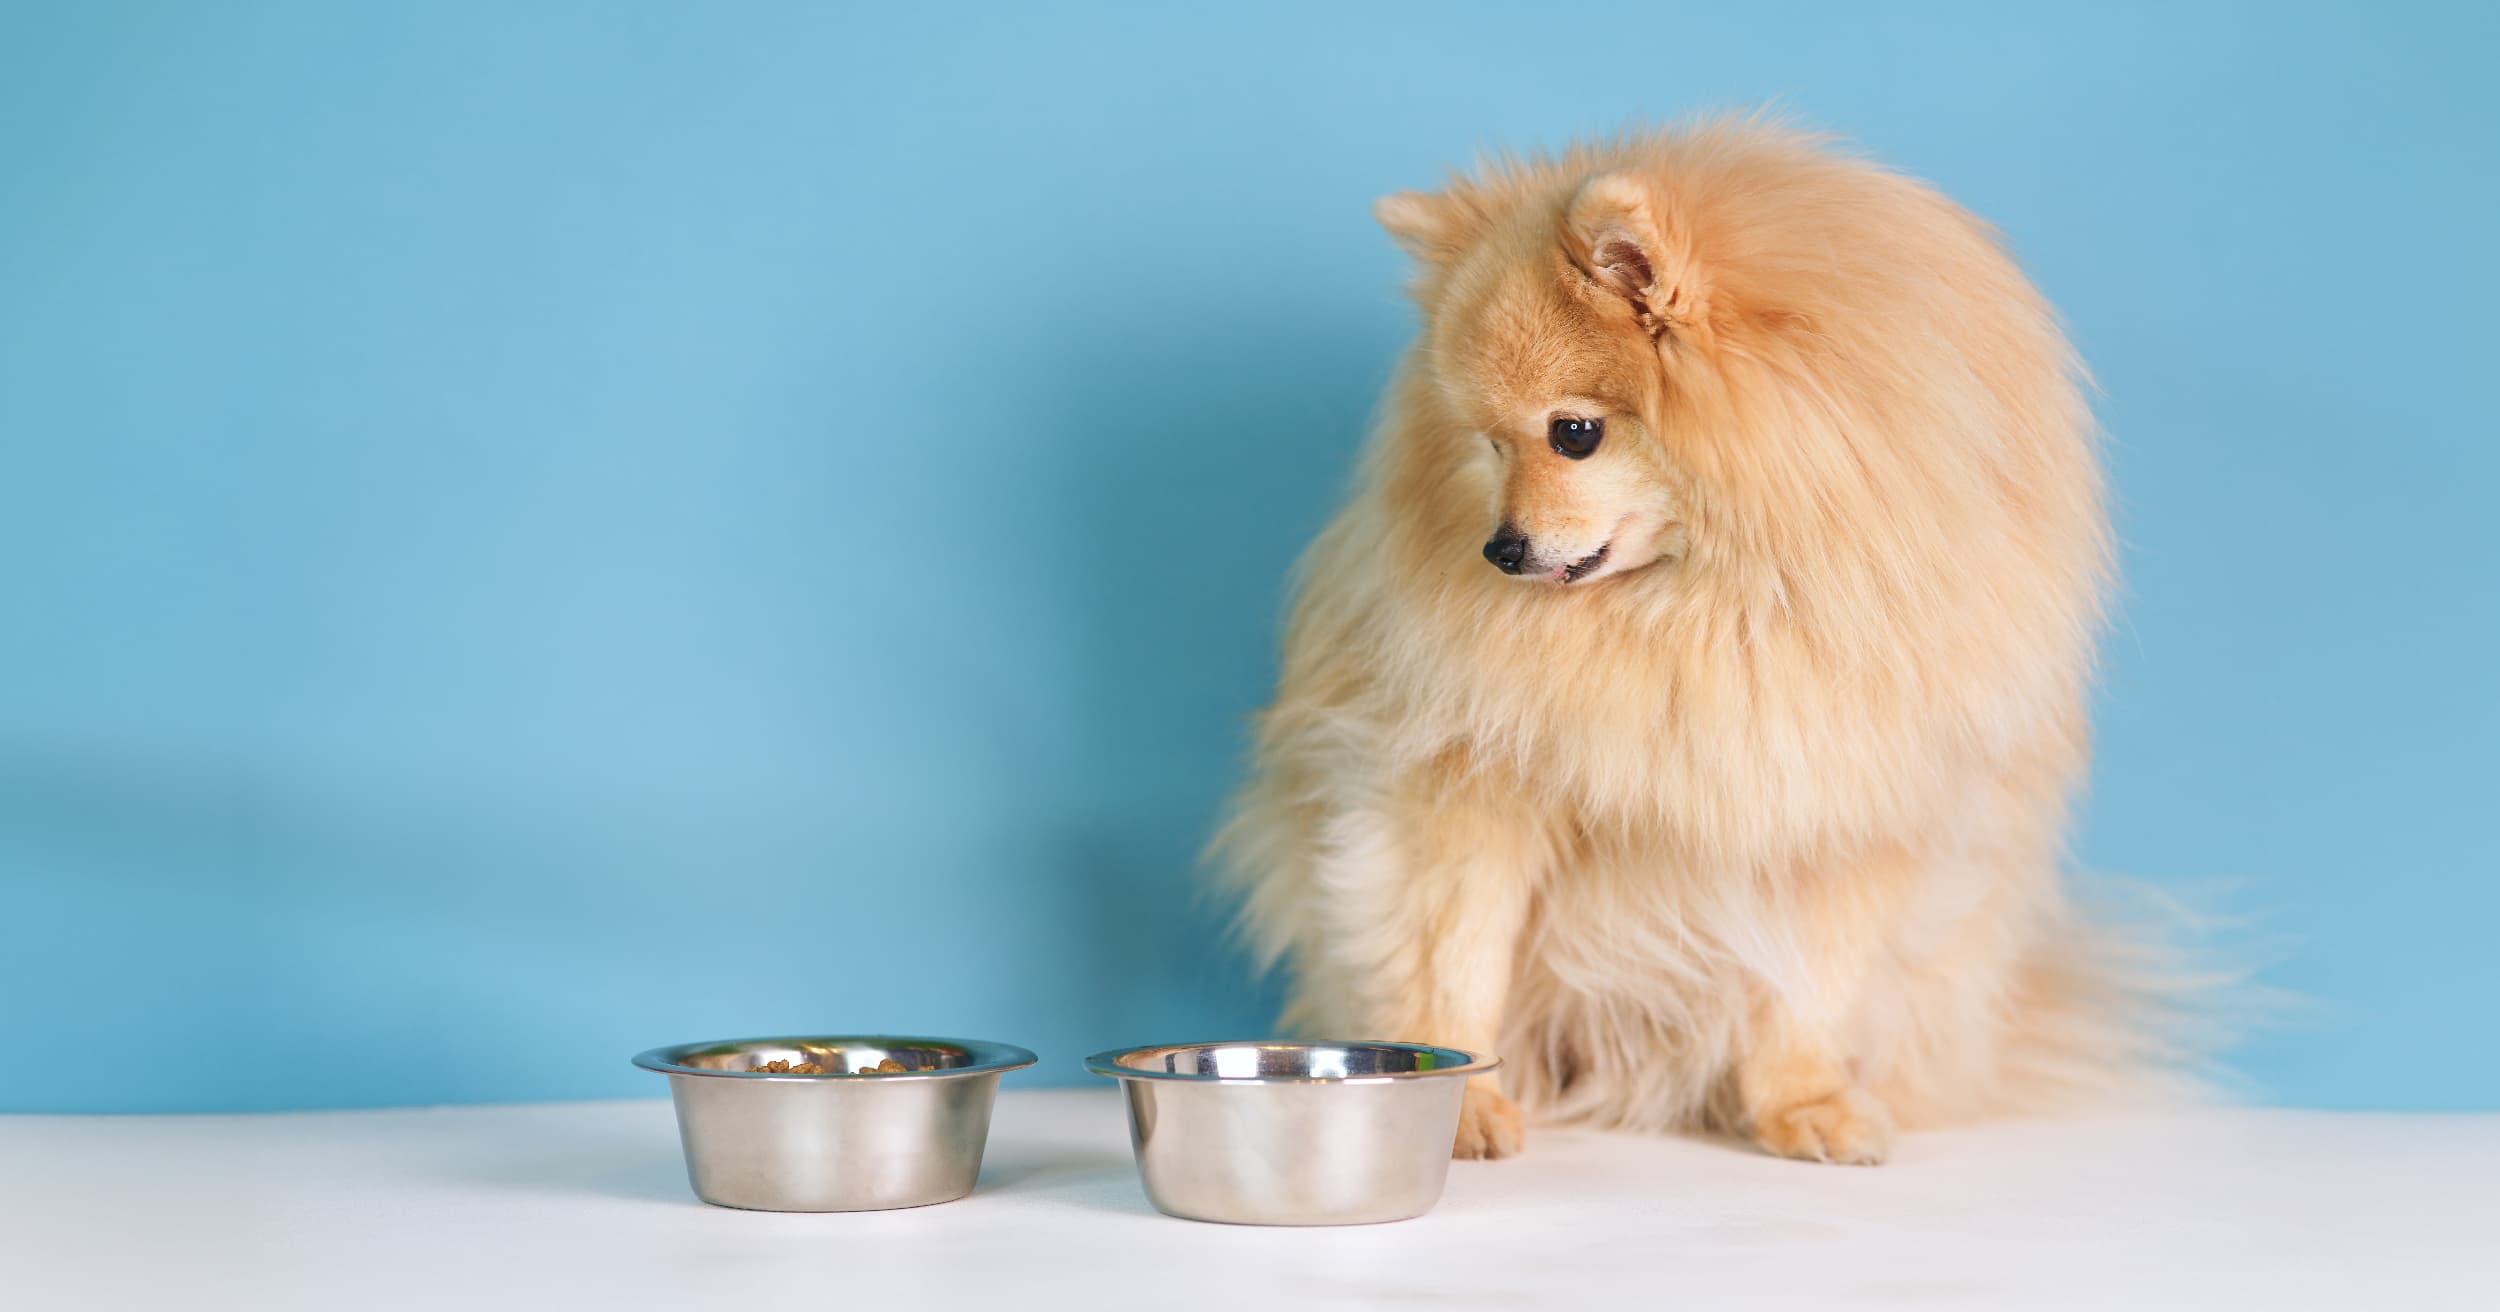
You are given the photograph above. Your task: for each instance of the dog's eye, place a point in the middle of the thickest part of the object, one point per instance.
(1575, 437)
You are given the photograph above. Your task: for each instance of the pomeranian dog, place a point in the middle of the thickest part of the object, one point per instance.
(1687, 705)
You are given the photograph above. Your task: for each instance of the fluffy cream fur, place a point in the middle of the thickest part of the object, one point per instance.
(1752, 820)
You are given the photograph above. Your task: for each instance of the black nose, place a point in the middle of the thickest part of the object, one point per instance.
(1506, 549)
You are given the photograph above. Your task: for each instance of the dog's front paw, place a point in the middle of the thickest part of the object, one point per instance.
(1849, 1127)
(1489, 1125)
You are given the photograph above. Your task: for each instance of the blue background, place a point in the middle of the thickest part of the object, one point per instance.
(528, 532)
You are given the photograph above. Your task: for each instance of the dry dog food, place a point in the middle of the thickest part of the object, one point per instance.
(780, 1066)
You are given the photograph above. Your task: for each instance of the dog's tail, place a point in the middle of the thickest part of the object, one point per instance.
(2125, 1004)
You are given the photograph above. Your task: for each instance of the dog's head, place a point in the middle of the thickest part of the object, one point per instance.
(1549, 335)
(1732, 354)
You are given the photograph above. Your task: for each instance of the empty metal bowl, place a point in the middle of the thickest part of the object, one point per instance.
(1293, 1133)
(835, 1142)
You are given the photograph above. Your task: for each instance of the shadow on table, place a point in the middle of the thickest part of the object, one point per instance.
(1103, 1181)
(634, 1166)
(645, 1178)
(628, 1167)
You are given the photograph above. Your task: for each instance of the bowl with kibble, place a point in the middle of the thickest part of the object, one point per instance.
(834, 1123)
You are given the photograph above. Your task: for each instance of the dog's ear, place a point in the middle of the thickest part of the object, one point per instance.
(1614, 231)
(1433, 226)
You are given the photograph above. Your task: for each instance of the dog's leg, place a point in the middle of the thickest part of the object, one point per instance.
(1801, 1101)
(1464, 987)
(1795, 1086)
(1469, 859)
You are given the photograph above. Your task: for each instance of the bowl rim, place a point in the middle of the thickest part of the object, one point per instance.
(1462, 1062)
(988, 1057)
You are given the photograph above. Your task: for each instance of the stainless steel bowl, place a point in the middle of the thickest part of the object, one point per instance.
(833, 1143)
(1293, 1133)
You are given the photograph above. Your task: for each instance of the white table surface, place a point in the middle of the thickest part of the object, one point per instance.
(585, 1204)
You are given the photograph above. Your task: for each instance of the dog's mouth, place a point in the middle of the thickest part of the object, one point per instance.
(1584, 566)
